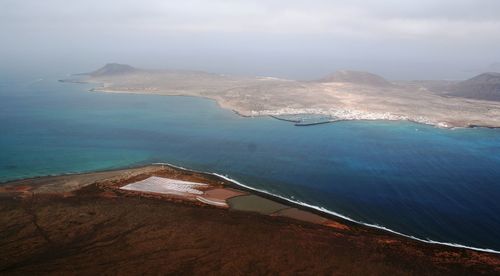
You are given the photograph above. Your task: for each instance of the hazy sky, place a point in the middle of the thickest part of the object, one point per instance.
(399, 39)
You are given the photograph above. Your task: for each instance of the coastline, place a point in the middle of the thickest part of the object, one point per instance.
(234, 184)
(250, 114)
(325, 212)
(43, 198)
(275, 113)
(339, 114)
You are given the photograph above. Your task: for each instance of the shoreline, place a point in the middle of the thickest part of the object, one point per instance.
(274, 113)
(232, 183)
(107, 221)
(250, 114)
(332, 214)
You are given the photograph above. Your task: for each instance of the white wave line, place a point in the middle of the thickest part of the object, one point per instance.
(324, 210)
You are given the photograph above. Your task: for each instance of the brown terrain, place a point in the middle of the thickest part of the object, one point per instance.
(86, 224)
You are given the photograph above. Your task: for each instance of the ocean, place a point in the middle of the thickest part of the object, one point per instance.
(429, 183)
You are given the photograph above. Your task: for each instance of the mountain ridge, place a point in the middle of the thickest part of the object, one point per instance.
(485, 86)
(356, 77)
(113, 69)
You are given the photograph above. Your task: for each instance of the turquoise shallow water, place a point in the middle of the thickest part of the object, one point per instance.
(431, 183)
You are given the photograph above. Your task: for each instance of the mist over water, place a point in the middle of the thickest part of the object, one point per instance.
(301, 58)
(293, 39)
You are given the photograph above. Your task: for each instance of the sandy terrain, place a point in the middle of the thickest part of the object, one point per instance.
(69, 183)
(98, 228)
(360, 99)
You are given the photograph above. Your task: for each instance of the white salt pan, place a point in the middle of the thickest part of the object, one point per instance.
(163, 185)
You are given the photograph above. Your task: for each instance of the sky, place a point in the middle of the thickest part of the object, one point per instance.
(398, 39)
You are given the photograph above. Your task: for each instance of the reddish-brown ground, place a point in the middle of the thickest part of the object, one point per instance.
(98, 230)
(301, 215)
(222, 194)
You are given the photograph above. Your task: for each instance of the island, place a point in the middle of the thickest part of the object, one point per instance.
(344, 95)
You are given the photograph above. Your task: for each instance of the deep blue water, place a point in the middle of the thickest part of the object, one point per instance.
(431, 183)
